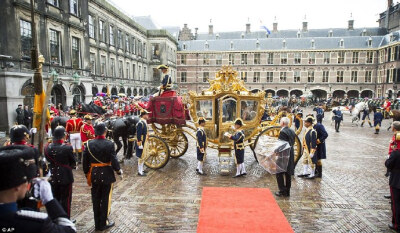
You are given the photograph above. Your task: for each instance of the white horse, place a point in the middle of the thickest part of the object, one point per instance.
(358, 108)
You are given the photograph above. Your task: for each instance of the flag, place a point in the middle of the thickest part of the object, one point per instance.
(38, 109)
(108, 91)
(263, 27)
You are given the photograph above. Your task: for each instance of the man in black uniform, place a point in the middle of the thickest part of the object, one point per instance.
(238, 144)
(62, 161)
(20, 115)
(17, 168)
(99, 163)
(201, 145)
(288, 135)
(166, 83)
(393, 166)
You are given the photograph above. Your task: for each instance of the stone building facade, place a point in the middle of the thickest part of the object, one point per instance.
(90, 46)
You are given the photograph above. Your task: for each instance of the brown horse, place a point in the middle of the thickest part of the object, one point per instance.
(395, 115)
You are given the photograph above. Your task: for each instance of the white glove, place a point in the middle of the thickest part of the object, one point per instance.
(121, 173)
(312, 155)
(226, 134)
(42, 190)
(33, 130)
(140, 147)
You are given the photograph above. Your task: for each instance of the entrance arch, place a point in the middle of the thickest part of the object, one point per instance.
(122, 90)
(58, 95)
(367, 93)
(390, 94)
(28, 91)
(282, 93)
(104, 90)
(78, 94)
(114, 91)
(339, 94)
(353, 94)
(140, 92)
(297, 93)
(129, 92)
(134, 92)
(95, 90)
(269, 91)
(319, 93)
(145, 92)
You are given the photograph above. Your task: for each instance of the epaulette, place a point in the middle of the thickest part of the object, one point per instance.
(29, 214)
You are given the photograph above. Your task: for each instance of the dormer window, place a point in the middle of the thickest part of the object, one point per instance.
(231, 44)
(257, 44)
(242, 35)
(267, 35)
(298, 34)
(184, 46)
(206, 45)
(364, 32)
(391, 37)
(313, 43)
(284, 44)
(341, 43)
(370, 42)
(217, 36)
(330, 34)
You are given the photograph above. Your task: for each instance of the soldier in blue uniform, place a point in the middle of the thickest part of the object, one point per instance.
(141, 135)
(378, 117)
(338, 118)
(320, 153)
(309, 148)
(62, 160)
(17, 169)
(320, 113)
(201, 145)
(365, 116)
(99, 163)
(238, 144)
(166, 83)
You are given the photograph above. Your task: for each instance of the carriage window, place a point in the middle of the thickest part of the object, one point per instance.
(228, 109)
(248, 109)
(204, 109)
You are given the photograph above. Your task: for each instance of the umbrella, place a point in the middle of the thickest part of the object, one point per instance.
(101, 94)
(277, 96)
(122, 95)
(114, 96)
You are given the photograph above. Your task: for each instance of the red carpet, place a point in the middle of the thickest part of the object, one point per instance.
(241, 210)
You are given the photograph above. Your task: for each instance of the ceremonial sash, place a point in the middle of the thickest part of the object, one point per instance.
(92, 165)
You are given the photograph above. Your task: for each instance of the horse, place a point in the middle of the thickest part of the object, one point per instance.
(395, 115)
(356, 111)
(58, 120)
(91, 108)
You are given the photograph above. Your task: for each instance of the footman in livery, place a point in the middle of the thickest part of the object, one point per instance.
(201, 145)
(238, 144)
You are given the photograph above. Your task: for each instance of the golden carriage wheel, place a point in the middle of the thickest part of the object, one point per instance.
(158, 152)
(298, 131)
(178, 145)
(273, 131)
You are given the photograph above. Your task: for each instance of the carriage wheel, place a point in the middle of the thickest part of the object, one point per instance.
(298, 131)
(179, 145)
(158, 152)
(274, 132)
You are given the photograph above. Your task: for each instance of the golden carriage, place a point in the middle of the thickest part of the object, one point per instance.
(225, 100)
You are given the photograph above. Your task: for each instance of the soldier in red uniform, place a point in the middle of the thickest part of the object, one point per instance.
(119, 112)
(48, 125)
(386, 107)
(87, 130)
(98, 102)
(73, 129)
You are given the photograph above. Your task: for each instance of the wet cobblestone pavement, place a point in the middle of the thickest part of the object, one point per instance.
(348, 198)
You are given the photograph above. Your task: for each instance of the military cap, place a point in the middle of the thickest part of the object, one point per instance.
(144, 112)
(59, 132)
(19, 105)
(201, 120)
(100, 128)
(17, 166)
(162, 67)
(239, 121)
(88, 117)
(18, 133)
(72, 112)
(310, 119)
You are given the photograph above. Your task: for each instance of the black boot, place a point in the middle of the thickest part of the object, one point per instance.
(318, 171)
(370, 125)
(376, 131)
(80, 157)
(362, 124)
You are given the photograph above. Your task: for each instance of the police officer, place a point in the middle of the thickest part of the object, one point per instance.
(20, 115)
(320, 113)
(378, 117)
(238, 144)
(62, 161)
(166, 83)
(309, 148)
(141, 135)
(320, 153)
(99, 163)
(201, 145)
(17, 169)
(338, 118)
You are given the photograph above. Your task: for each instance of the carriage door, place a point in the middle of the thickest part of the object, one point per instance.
(227, 115)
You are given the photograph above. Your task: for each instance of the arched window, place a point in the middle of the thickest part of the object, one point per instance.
(95, 90)
(78, 95)
(28, 91)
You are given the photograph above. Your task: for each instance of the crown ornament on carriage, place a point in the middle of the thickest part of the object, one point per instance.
(226, 79)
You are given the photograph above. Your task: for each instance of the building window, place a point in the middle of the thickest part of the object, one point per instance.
(183, 77)
(311, 58)
(76, 53)
(257, 58)
(270, 58)
(119, 39)
(133, 45)
(26, 39)
(354, 59)
(184, 46)
(310, 76)
(297, 58)
(218, 60)
(55, 48)
(313, 43)
(140, 72)
(103, 65)
(327, 57)
(183, 59)
(390, 78)
(91, 27)
(231, 46)
(370, 57)
(73, 7)
(270, 77)
(128, 72)
(206, 75)
(282, 76)
(379, 92)
(369, 42)
(243, 59)
(121, 69)
(231, 59)
(92, 58)
(243, 76)
(144, 50)
(330, 34)
(53, 2)
(284, 58)
(111, 35)
(206, 59)
(256, 77)
(133, 71)
(325, 76)
(284, 44)
(206, 45)
(340, 59)
(392, 52)
(341, 43)
(112, 67)
(144, 73)
(127, 43)
(296, 76)
(155, 51)
(102, 31)
(368, 76)
(339, 76)
(140, 47)
(354, 77)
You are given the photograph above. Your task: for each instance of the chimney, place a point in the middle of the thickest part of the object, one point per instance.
(210, 28)
(275, 25)
(350, 23)
(305, 24)
(195, 33)
(185, 25)
(247, 28)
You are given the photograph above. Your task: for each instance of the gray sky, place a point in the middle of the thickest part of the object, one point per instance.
(233, 15)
